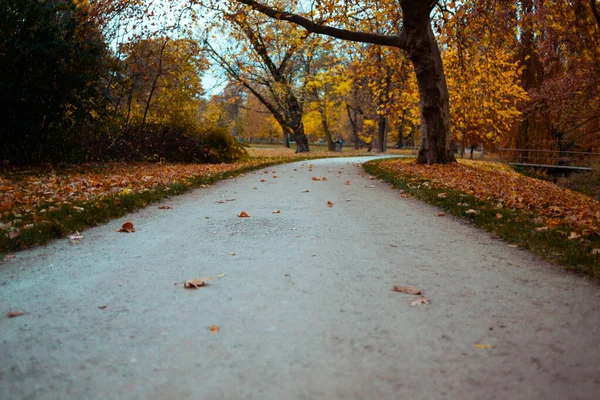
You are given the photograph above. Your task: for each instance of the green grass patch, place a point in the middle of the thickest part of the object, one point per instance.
(512, 225)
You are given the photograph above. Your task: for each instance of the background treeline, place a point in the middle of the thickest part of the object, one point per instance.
(77, 85)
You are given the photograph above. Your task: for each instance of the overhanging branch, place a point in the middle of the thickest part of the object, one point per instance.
(344, 34)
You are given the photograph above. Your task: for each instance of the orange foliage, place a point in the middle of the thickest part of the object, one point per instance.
(25, 193)
(498, 183)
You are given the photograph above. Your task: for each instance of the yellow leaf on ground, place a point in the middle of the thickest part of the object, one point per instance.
(329, 204)
(214, 329)
(484, 346)
(243, 214)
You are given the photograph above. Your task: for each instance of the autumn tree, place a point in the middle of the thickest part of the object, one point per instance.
(52, 63)
(265, 59)
(415, 37)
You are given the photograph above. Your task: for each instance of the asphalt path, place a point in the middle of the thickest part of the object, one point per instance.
(300, 302)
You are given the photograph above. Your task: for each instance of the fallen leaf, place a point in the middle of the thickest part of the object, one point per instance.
(406, 289)
(442, 195)
(222, 275)
(127, 227)
(419, 301)
(471, 211)
(214, 329)
(276, 212)
(232, 254)
(229, 199)
(220, 202)
(324, 179)
(329, 204)
(499, 216)
(514, 246)
(574, 235)
(305, 191)
(254, 188)
(314, 178)
(262, 180)
(14, 314)
(347, 182)
(441, 214)
(372, 178)
(14, 235)
(165, 207)
(542, 229)
(243, 214)
(484, 346)
(595, 251)
(196, 283)
(275, 177)
(103, 307)
(372, 186)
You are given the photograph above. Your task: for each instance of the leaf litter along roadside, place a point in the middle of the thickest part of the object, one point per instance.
(37, 204)
(512, 206)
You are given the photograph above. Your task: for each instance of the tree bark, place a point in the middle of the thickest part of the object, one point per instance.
(354, 123)
(425, 56)
(381, 127)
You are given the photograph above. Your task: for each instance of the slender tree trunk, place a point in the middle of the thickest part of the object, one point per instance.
(325, 123)
(423, 51)
(381, 127)
(286, 139)
(400, 142)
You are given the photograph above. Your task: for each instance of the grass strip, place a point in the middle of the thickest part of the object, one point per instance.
(516, 226)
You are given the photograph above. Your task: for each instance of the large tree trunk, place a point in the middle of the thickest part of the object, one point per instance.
(354, 123)
(425, 56)
(301, 140)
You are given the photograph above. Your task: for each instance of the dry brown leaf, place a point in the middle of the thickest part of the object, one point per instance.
(542, 229)
(14, 235)
(276, 212)
(314, 178)
(419, 301)
(214, 329)
(305, 191)
(243, 214)
(14, 314)
(499, 216)
(103, 307)
(229, 199)
(196, 283)
(347, 182)
(254, 188)
(275, 177)
(406, 290)
(165, 207)
(262, 180)
(471, 211)
(441, 214)
(442, 195)
(324, 179)
(372, 178)
(127, 227)
(329, 204)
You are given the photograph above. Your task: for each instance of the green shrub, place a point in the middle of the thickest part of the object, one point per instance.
(178, 142)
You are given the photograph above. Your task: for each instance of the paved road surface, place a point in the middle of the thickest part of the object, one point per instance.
(305, 307)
